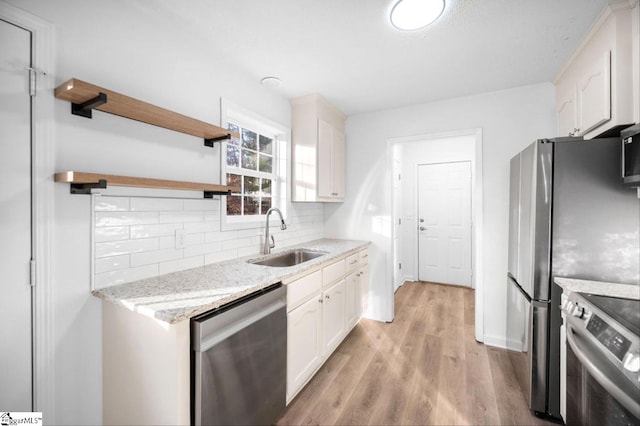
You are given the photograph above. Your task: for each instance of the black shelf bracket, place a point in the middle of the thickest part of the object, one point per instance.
(85, 188)
(84, 109)
(210, 194)
(210, 141)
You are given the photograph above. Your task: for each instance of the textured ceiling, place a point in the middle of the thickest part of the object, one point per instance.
(348, 51)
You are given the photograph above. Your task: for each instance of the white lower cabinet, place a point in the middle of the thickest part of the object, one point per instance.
(322, 308)
(334, 316)
(354, 303)
(304, 343)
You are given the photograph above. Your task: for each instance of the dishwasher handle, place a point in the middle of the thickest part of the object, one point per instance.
(231, 329)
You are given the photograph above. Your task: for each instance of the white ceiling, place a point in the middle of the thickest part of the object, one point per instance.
(347, 50)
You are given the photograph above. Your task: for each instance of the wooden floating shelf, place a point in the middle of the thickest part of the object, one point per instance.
(85, 96)
(82, 183)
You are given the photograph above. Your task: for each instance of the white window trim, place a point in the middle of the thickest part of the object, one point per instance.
(230, 112)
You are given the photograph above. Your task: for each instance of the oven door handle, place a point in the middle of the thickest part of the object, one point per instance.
(628, 402)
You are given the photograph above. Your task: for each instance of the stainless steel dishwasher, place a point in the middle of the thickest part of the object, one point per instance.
(239, 361)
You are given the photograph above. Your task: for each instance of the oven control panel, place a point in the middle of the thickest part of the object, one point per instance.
(622, 346)
(615, 342)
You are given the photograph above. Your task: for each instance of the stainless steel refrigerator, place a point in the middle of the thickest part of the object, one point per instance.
(569, 216)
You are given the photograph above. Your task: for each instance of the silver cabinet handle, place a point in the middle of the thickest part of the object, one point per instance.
(327, 297)
(353, 262)
(422, 228)
(320, 300)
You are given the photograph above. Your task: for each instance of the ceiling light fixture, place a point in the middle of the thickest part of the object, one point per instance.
(410, 15)
(271, 82)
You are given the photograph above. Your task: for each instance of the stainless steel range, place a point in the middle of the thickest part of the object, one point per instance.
(603, 360)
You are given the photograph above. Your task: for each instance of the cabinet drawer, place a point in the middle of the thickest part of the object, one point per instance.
(364, 257)
(300, 290)
(333, 273)
(352, 262)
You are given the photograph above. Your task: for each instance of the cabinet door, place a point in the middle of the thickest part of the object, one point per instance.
(353, 299)
(304, 343)
(364, 289)
(334, 316)
(567, 113)
(594, 95)
(325, 172)
(338, 154)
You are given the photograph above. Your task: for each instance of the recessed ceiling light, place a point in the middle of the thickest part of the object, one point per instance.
(271, 82)
(409, 15)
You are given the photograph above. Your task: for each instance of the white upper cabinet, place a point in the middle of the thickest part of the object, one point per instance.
(596, 89)
(318, 150)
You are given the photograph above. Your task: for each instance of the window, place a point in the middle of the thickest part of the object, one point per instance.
(256, 163)
(250, 167)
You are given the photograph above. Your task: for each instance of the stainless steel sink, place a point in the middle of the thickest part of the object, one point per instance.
(290, 258)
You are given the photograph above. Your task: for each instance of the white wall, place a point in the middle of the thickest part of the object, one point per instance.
(441, 150)
(127, 48)
(509, 120)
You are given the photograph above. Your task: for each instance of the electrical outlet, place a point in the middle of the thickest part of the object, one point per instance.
(181, 236)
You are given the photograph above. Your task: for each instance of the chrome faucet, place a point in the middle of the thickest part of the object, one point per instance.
(268, 245)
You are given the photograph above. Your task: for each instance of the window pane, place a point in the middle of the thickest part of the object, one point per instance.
(233, 155)
(233, 127)
(234, 207)
(234, 180)
(249, 160)
(251, 205)
(236, 129)
(265, 163)
(265, 205)
(251, 185)
(266, 186)
(249, 139)
(266, 145)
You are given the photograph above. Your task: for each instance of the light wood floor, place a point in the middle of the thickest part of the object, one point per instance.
(424, 368)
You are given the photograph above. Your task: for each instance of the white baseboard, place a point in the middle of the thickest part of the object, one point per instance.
(495, 341)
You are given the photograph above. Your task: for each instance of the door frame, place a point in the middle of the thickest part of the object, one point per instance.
(417, 214)
(42, 161)
(477, 254)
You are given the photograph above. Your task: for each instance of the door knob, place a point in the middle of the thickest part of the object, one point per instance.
(422, 228)
(421, 220)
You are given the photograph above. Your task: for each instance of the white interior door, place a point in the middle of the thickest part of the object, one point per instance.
(15, 218)
(444, 223)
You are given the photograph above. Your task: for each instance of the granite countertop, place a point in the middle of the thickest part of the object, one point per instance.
(181, 295)
(627, 291)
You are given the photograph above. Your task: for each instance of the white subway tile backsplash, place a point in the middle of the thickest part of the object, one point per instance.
(115, 248)
(111, 233)
(204, 205)
(181, 217)
(135, 236)
(112, 263)
(239, 243)
(202, 249)
(167, 242)
(194, 239)
(181, 264)
(221, 256)
(212, 237)
(247, 251)
(156, 204)
(202, 226)
(156, 256)
(122, 276)
(125, 218)
(149, 231)
(103, 204)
